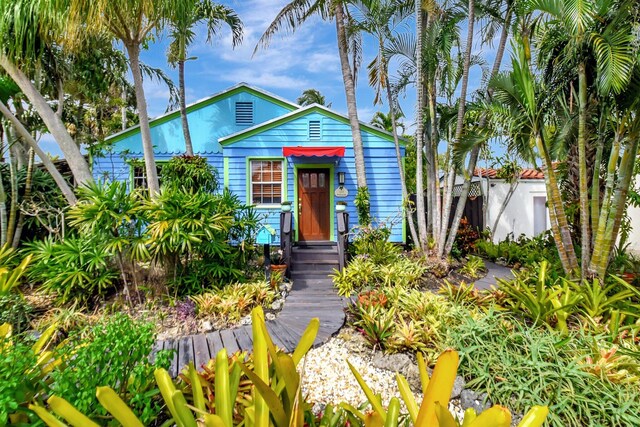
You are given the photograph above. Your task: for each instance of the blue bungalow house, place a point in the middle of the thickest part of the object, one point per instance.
(269, 150)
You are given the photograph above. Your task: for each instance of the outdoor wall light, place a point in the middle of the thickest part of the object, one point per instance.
(341, 176)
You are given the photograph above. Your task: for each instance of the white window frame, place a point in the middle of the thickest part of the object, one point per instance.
(281, 182)
(143, 177)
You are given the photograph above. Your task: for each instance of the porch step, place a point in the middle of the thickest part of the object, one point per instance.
(314, 260)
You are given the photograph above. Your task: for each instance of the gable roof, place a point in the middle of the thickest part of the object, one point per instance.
(240, 87)
(529, 173)
(303, 111)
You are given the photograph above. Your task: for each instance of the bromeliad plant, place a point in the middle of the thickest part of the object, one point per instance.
(433, 410)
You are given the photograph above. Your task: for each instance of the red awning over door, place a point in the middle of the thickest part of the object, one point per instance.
(313, 151)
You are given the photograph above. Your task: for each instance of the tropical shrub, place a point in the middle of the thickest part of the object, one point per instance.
(116, 353)
(474, 267)
(523, 366)
(466, 238)
(522, 251)
(231, 303)
(362, 202)
(76, 269)
(15, 311)
(363, 273)
(10, 276)
(190, 173)
(373, 242)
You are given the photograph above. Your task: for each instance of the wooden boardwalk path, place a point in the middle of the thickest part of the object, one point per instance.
(312, 296)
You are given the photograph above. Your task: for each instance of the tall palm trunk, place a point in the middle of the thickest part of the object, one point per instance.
(188, 146)
(420, 207)
(133, 50)
(3, 197)
(13, 184)
(77, 163)
(403, 183)
(350, 91)
(585, 235)
(447, 198)
(475, 152)
(44, 158)
(25, 199)
(433, 183)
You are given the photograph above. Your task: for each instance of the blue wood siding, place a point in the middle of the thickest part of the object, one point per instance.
(115, 167)
(383, 176)
(206, 125)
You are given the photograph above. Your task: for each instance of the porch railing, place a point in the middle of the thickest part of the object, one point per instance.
(286, 239)
(343, 238)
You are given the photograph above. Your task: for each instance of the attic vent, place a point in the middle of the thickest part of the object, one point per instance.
(314, 129)
(244, 113)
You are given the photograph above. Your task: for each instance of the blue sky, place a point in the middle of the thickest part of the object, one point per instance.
(293, 62)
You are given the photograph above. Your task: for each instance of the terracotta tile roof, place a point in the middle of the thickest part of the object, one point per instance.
(524, 173)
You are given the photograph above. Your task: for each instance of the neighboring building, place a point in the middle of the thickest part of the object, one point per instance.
(526, 213)
(268, 150)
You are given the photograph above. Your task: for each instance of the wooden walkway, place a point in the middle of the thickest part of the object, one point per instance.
(312, 296)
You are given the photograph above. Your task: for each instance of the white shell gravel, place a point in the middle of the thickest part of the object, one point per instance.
(327, 378)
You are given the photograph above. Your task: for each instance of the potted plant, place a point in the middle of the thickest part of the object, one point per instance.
(285, 206)
(278, 267)
(341, 206)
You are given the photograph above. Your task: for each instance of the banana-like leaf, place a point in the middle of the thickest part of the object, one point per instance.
(185, 417)
(110, 400)
(353, 410)
(393, 412)
(439, 388)
(196, 387)
(408, 397)
(47, 417)
(373, 419)
(66, 410)
(535, 417)
(166, 387)
(224, 406)
(44, 338)
(445, 419)
(269, 396)
(469, 416)
(211, 420)
(289, 375)
(373, 399)
(306, 340)
(260, 366)
(496, 416)
(424, 374)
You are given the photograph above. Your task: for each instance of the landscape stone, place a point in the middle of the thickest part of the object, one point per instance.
(270, 316)
(478, 401)
(396, 362)
(458, 386)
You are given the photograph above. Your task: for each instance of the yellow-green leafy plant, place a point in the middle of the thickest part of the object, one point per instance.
(276, 401)
(473, 267)
(10, 277)
(433, 410)
(462, 294)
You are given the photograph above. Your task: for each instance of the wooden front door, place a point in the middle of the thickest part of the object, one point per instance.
(313, 204)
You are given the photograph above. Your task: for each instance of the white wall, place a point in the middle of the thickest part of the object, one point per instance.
(634, 214)
(518, 217)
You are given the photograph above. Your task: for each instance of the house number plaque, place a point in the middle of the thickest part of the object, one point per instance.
(341, 192)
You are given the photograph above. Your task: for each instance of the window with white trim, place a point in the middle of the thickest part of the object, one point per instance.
(244, 113)
(266, 182)
(139, 174)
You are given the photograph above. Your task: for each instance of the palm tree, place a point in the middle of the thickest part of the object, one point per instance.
(379, 18)
(295, 14)
(385, 121)
(28, 29)
(182, 35)
(131, 22)
(312, 96)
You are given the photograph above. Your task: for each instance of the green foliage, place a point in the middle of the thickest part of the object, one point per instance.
(473, 267)
(10, 277)
(373, 242)
(78, 268)
(522, 251)
(522, 366)
(461, 294)
(15, 311)
(376, 323)
(115, 353)
(363, 273)
(466, 238)
(231, 303)
(16, 360)
(362, 201)
(190, 173)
